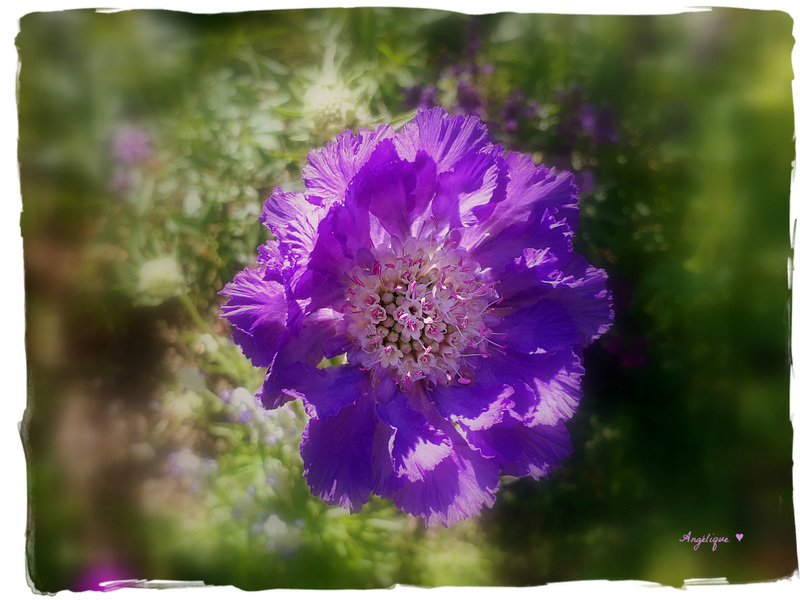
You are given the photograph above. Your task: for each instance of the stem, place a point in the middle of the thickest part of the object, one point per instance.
(192, 310)
(230, 354)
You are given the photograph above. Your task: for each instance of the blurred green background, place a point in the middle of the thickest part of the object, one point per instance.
(148, 141)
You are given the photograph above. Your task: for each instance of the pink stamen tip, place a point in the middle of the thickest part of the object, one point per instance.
(358, 281)
(464, 380)
(435, 222)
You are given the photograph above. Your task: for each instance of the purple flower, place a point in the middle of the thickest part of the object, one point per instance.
(421, 97)
(442, 269)
(516, 108)
(598, 123)
(469, 99)
(131, 145)
(585, 180)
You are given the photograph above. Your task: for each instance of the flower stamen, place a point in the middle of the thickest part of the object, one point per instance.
(419, 311)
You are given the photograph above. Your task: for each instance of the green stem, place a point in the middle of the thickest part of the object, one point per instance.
(192, 310)
(229, 354)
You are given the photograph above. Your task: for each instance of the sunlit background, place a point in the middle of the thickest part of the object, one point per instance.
(148, 141)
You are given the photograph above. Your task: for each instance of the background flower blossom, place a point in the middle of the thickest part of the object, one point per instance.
(131, 145)
(443, 270)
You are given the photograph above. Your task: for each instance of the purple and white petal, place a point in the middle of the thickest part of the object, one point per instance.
(302, 345)
(416, 447)
(258, 311)
(331, 169)
(525, 450)
(446, 138)
(458, 488)
(337, 453)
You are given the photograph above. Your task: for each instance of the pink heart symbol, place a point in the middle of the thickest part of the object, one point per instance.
(739, 536)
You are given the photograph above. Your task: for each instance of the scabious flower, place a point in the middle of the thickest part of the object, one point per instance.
(441, 270)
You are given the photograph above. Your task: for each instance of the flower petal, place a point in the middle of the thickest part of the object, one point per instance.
(540, 210)
(435, 474)
(313, 258)
(257, 309)
(337, 453)
(303, 345)
(415, 446)
(542, 327)
(464, 193)
(522, 450)
(551, 388)
(293, 220)
(546, 386)
(326, 391)
(331, 169)
(457, 488)
(385, 189)
(590, 304)
(445, 138)
(475, 406)
(566, 279)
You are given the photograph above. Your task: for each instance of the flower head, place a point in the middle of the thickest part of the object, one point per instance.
(440, 269)
(328, 108)
(159, 280)
(330, 105)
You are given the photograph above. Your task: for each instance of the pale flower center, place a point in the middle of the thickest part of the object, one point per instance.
(419, 312)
